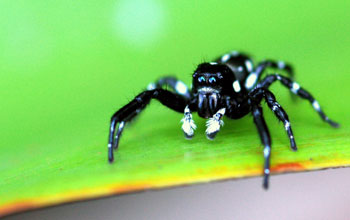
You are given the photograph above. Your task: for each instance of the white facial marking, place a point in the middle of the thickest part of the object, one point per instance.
(236, 86)
(214, 123)
(281, 64)
(240, 69)
(295, 87)
(213, 63)
(249, 65)
(208, 89)
(251, 80)
(181, 88)
(266, 152)
(151, 86)
(316, 105)
(225, 58)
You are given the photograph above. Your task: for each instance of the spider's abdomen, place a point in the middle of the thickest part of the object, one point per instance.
(240, 64)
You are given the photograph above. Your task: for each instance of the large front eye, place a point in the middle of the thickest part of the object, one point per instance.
(212, 80)
(201, 79)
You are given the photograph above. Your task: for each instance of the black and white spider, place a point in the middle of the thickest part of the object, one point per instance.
(230, 86)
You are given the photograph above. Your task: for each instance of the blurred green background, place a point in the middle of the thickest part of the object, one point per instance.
(67, 66)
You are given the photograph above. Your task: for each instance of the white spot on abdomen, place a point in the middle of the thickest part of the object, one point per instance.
(249, 65)
(234, 53)
(251, 80)
(236, 86)
(225, 58)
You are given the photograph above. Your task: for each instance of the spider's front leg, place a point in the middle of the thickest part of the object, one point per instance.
(129, 111)
(173, 83)
(180, 88)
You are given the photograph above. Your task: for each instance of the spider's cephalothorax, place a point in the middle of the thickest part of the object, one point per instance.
(230, 86)
(211, 82)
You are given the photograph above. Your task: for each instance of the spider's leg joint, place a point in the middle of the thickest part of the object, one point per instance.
(267, 152)
(281, 64)
(287, 125)
(316, 105)
(151, 86)
(295, 88)
(278, 77)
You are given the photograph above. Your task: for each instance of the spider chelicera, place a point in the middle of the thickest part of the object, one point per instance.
(230, 86)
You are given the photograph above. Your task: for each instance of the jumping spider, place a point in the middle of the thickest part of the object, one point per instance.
(230, 86)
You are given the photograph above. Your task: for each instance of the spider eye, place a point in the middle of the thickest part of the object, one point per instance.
(212, 79)
(201, 79)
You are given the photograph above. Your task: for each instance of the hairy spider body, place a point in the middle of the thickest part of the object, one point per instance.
(231, 87)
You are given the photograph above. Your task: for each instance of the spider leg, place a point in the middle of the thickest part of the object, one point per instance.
(281, 115)
(129, 111)
(180, 88)
(296, 89)
(119, 133)
(255, 75)
(176, 85)
(265, 139)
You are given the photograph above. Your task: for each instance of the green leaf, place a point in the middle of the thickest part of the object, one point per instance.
(65, 71)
